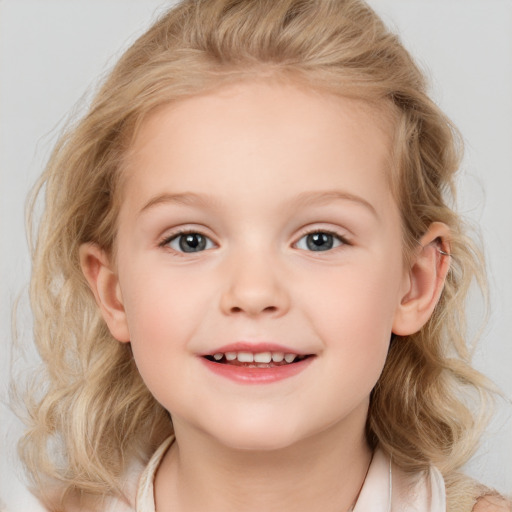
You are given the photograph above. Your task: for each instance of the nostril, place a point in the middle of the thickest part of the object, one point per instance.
(268, 309)
(253, 300)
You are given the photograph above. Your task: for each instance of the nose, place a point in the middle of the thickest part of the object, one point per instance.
(254, 286)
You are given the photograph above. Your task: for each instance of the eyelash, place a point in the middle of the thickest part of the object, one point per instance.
(168, 239)
(342, 239)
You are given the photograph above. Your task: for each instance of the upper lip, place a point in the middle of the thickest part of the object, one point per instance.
(255, 348)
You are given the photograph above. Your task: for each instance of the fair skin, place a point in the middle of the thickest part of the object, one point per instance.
(492, 504)
(294, 245)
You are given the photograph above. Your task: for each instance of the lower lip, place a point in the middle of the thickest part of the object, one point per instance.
(245, 375)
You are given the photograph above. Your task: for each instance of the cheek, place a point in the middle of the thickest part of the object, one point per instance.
(354, 315)
(159, 303)
(366, 295)
(162, 315)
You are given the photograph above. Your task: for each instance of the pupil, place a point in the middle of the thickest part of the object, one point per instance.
(319, 241)
(192, 242)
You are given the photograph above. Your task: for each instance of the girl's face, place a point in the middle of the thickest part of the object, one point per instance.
(258, 219)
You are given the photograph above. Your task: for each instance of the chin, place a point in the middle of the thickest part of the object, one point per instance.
(259, 437)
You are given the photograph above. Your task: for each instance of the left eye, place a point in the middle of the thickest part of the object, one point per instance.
(190, 242)
(319, 241)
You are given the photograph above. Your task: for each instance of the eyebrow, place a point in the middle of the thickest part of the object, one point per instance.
(186, 198)
(328, 196)
(302, 200)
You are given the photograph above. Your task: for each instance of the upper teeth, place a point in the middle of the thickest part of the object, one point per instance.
(259, 357)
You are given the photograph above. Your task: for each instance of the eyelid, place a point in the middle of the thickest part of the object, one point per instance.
(329, 231)
(169, 237)
(318, 229)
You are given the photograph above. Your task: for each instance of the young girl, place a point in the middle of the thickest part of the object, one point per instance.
(248, 281)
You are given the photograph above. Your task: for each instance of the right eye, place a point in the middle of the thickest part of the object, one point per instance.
(189, 242)
(317, 241)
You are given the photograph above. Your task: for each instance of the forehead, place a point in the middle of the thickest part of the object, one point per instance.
(250, 134)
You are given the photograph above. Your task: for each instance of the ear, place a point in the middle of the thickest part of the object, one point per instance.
(427, 275)
(104, 284)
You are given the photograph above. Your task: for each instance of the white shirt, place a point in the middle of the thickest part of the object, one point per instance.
(386, 488)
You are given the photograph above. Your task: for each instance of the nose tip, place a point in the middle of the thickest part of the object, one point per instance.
(255, 302)
(254, 289)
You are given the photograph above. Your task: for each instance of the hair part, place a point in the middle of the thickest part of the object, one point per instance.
(94, 405)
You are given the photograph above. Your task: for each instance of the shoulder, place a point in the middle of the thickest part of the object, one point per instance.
(492, 503)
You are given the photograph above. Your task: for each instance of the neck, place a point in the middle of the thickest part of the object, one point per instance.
(322, 472)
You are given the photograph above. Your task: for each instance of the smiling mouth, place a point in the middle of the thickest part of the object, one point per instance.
(256, 360)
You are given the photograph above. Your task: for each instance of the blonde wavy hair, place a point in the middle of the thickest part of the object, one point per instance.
(91, 413)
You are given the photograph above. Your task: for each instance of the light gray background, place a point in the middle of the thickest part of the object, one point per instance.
(53, 51)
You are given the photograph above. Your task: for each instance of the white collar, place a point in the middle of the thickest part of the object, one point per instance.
(386, 488)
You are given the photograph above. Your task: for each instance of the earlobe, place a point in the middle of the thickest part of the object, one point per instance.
(104, 284)
(426, 279)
